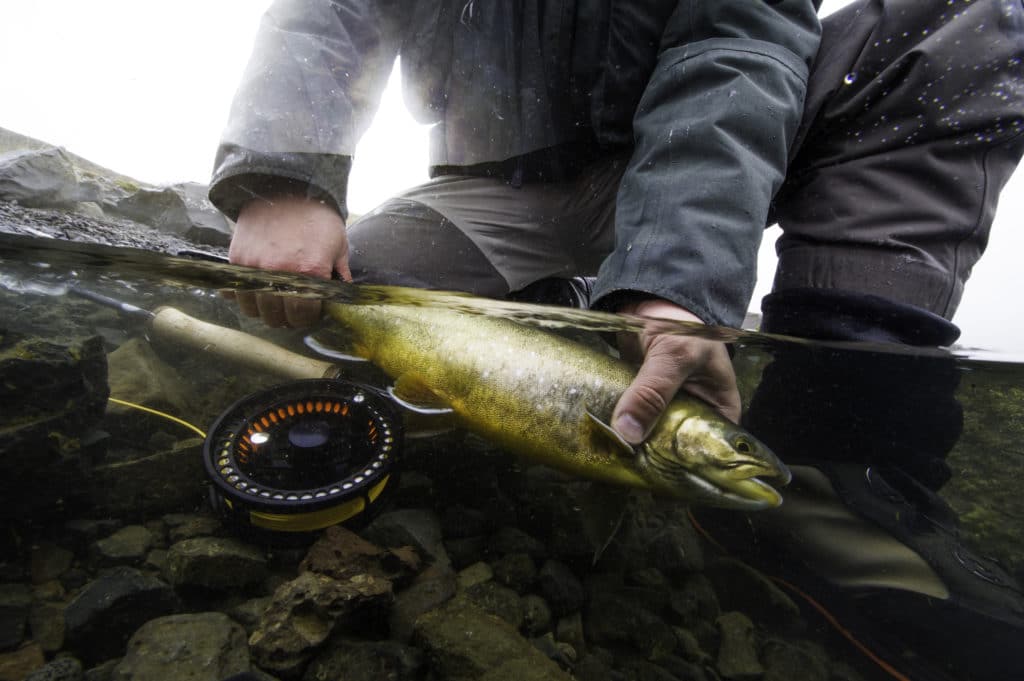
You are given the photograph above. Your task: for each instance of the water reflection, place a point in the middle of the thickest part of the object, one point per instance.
(93, 486)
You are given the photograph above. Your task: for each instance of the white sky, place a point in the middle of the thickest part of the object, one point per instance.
(144, 88)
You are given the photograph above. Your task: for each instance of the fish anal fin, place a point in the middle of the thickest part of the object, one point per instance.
(411, 392)
(424, 426)
(605, 432)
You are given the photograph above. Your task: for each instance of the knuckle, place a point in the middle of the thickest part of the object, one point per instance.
(648, 399)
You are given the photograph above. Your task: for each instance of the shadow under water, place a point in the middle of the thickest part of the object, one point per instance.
(896, 554)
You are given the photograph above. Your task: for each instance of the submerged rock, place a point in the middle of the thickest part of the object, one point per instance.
(46, 621)
(785, 661)
(477, 573)
(152, 483)
(614, 619)
(139, 375)
(410, 527)
(61, 669)
(15, 604)
(200, 647)
(516, 571)
(215, 563)
(15, 665)
(128, 545)
(463, 643)
(497, 600)
(48, 562)
(306, 611)
(340, 553)
(432, 588)
(366, 661)
(54, 394)
(560, 587)
(536, 615)
(110, 608)
(695, 601)
(737, 653)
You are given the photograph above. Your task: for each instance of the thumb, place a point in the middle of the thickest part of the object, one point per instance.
(643, 402)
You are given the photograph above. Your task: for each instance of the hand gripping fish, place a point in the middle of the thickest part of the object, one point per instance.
(550, 399)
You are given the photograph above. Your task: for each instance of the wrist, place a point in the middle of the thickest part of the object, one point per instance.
(652, 306)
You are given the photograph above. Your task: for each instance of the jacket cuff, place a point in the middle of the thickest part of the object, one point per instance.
(840, 315)
(241, 174)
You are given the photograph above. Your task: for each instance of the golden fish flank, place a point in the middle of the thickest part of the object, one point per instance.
(550, 399)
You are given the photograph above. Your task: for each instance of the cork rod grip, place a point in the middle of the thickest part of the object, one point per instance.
(237, 347)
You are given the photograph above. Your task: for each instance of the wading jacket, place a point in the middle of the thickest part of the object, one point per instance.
(707, 94)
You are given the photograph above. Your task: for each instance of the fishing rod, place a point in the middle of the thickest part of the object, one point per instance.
(238, 347)
(314, 451)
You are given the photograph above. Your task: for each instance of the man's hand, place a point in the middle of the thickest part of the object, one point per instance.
(670, 362)
(291, 234)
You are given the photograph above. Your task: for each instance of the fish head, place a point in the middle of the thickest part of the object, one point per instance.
(697, 455)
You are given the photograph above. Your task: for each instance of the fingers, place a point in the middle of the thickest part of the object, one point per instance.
(716, 385)
(672, 362)
(301, 312)
(247, 303)
(341, 265)
(279, 310)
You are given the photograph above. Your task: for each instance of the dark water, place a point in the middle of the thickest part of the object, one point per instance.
(108, 527)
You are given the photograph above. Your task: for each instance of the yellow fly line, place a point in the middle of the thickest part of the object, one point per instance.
(169, 417)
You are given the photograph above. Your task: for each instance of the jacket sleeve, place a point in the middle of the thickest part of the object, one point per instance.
(711, 139)
(309, 92)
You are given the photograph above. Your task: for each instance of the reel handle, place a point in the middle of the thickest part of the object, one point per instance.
(237, 346)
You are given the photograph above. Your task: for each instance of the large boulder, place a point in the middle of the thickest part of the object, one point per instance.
(54, 395)
(40, 175)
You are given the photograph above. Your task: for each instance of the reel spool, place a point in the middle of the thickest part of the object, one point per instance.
(303, 455)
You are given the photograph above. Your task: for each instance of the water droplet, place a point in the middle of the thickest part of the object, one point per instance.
(850, 78)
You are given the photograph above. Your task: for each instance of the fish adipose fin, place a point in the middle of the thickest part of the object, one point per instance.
(413, 394)
(609, 434)
(329, 344)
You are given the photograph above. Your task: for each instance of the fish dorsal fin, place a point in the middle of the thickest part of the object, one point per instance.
(609, 434)
(329, 344)
(411, 392)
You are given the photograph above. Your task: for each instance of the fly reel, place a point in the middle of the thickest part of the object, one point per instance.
(303, 455)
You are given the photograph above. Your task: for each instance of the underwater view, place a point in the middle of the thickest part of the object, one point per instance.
(192, 494)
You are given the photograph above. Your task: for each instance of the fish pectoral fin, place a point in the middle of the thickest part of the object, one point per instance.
(603, 509)
(609, 434)
(412, 393)
(329, 344)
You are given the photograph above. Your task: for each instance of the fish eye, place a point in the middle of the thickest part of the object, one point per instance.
(743, 446)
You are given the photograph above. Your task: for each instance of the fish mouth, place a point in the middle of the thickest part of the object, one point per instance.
(724, 488)
(746, 494)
